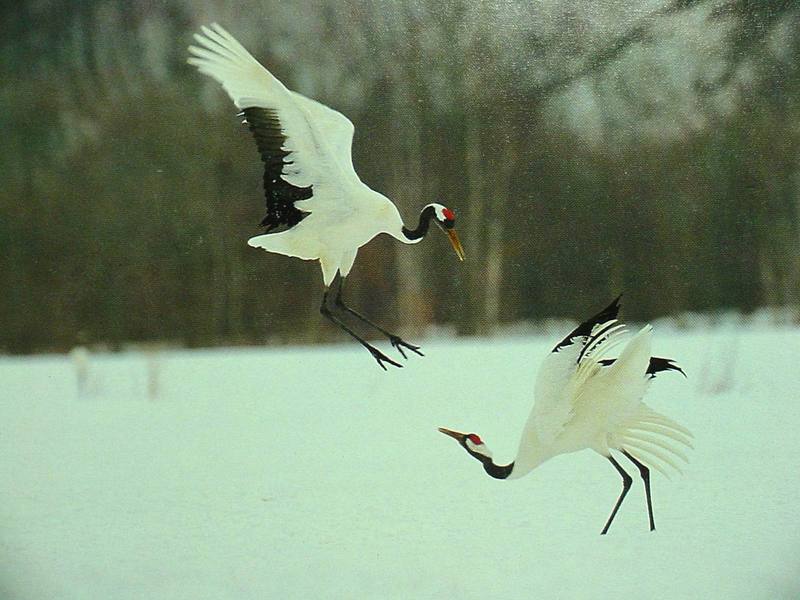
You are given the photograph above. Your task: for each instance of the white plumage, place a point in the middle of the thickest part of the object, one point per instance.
(311, 186)
(598, 407)
(586, 400)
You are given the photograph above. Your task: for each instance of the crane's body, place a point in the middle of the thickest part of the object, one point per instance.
(336, 250)
(317, 207)
(585, 400)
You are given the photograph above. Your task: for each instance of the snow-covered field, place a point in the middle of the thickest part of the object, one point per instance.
(311, 473)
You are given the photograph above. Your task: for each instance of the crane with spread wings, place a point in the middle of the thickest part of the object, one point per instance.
(586, 400)
(317, 207)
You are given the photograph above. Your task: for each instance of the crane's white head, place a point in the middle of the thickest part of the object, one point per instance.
(471, 442)
(446, 220)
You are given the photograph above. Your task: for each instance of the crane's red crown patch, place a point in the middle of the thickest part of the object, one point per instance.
(449, 214)
(475, 439)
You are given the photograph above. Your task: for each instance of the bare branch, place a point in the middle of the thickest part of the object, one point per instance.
(606, 56)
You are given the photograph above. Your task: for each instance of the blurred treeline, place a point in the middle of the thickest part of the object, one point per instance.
(650, 147)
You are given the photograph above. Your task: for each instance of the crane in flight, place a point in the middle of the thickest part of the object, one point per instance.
(317, 207)
(584, 399)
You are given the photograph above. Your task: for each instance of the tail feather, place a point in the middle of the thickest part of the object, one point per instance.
(286, 243)
(654, 438)
(662, 430)
(645, 449)
(656, 441)
(655, 418)
(651, 462)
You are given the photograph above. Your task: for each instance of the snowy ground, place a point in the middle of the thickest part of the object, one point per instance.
(310, 473)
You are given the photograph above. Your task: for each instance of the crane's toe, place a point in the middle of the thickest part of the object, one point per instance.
(381, 358)
(400, 344)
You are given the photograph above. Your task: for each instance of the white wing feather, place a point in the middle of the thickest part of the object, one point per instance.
(585, 400)
(562, 378)
(337, 127)
(551, 408)
(319, 137)
(611, 394)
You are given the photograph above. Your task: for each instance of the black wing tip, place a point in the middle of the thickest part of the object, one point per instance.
(657, 365)
(609, 313)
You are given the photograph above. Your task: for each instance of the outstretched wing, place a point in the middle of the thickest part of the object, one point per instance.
(577, 376)
(304, 145)
(559, 373)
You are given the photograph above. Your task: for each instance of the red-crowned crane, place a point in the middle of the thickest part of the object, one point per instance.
(585, 400)
(317, 207)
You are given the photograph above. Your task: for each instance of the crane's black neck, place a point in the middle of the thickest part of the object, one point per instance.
(497, 471)
(428, 213)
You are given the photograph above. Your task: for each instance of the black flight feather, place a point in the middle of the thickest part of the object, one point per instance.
(609, 313)
(280, 194)
(656, 365)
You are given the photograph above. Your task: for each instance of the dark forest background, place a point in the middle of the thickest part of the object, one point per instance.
(650, 147)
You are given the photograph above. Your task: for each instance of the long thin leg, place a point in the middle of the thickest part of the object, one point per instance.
(627, 480)
(395, 340)
(376, 354)
(645, 473)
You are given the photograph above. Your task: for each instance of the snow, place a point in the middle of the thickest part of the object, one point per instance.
(310, 473)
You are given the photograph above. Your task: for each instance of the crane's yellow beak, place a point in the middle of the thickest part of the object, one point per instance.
(453, 434)
(451, 233)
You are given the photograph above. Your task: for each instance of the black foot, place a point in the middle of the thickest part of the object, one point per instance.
(400, 344)
(381, 357)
